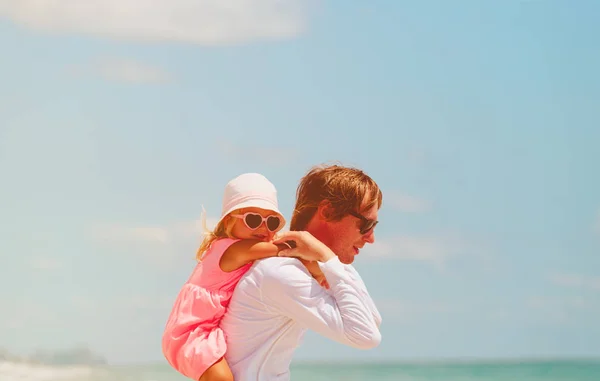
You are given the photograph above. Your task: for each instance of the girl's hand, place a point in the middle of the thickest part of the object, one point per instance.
(314, 270)
(307, 247)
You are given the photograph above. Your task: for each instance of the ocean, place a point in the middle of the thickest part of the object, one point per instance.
(566, 370)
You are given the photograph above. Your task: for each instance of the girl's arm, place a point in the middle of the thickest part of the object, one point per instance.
(247, 250)
(314, 270)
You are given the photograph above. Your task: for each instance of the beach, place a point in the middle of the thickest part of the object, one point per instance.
(540, 370)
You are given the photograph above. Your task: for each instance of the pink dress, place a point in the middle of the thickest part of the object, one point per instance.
(192, 340)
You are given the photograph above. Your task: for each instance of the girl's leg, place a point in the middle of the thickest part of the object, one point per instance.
(218, 371)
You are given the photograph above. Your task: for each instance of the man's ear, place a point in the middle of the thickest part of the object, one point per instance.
(324, 210)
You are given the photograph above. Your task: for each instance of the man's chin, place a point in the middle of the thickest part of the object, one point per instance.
(347, 260)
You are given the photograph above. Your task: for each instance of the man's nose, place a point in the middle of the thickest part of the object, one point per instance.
(370, 237)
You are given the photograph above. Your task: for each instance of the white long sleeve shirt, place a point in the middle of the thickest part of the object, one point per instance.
(277, 300)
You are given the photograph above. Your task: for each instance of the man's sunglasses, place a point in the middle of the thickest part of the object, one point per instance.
(366, 224)
(254, 220)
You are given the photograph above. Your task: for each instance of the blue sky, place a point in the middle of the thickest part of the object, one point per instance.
(480, 121)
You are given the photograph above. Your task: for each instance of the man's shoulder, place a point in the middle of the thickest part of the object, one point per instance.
(277, 268)
(276, 264)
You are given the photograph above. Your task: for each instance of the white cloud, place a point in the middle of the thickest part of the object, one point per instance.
(133, 302)
(146, 302)
(23, 314)
(405, 203)
(406, 311)
(576, 281)
(163, 247)
(45, 264)
(540, 302)
(285, 154)
(431, 249)
(206, 22)
(124, 70)
(123, 233)
(562, 309)
(193, 228)
(47, 148)
(565, 308)
(162, 234)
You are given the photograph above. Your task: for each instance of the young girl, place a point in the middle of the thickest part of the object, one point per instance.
(193, 343)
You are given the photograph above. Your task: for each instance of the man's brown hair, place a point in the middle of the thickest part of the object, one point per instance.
(343, 187)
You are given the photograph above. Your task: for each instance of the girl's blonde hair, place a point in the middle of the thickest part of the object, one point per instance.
(222, 230)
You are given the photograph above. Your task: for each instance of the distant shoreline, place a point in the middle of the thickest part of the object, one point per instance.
(83, 356)
(417, 362)
(451, 361)
(80, 356)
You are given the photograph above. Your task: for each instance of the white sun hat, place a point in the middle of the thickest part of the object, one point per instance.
(250, 190)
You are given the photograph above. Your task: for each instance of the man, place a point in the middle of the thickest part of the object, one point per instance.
(277, 300)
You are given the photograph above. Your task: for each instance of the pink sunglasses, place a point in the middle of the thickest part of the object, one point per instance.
(254, 220)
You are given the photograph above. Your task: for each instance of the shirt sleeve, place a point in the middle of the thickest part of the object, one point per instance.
(366, 297)
(341, 313)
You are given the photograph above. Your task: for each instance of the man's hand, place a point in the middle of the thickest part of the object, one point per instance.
(307, 247)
